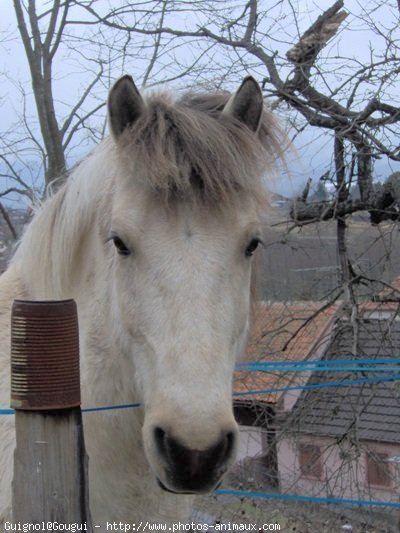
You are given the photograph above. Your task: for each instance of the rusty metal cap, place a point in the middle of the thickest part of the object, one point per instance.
(44, 355)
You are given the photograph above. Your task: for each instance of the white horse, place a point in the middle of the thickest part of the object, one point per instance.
(153, 236)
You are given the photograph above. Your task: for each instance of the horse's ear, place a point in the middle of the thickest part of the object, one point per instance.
(125, 105)
(246, 104)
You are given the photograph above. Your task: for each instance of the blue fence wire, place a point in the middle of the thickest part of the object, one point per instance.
(301, 498)
(320, 362)
(342, 383)
(337, 365)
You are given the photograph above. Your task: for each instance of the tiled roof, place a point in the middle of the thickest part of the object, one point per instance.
(282, 332)
(390, 307)
(367, 411)
(391, 292)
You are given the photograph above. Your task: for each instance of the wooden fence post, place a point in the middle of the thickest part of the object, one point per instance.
(50, 463)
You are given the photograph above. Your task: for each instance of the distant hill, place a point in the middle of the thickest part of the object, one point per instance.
(303, 265)
(19, 218)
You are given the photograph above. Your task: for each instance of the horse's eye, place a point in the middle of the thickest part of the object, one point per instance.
(121, 247)
(252, 247)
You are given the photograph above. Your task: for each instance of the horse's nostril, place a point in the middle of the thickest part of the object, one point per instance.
(160, 439)
(223, 450)
(230, 442)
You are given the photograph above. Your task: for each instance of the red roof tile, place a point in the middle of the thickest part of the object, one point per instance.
(282, 332)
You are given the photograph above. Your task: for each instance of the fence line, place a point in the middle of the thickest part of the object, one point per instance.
(313, 386)
(298, 497)
(343, 383)
(337, 365)
(294, 366)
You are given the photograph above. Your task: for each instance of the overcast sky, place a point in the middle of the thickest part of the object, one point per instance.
(355, 41)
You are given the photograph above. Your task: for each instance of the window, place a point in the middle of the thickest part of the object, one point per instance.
(378, 471)
(382, 315)
(310, 461)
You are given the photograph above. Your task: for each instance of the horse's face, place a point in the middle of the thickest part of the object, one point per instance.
(181, 280)
(182, 297)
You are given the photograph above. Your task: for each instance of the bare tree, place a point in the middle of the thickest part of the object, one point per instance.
(57, 33)
(354, 100)
(42, 34)
(40, 53)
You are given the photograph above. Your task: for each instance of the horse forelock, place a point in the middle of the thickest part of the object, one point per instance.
(188, 149)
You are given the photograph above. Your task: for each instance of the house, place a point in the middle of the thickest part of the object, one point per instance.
(280, 332)
(343, 441)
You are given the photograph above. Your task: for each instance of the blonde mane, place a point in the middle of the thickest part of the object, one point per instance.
(47, 252)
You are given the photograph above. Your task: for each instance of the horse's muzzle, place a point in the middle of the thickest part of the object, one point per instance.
(193, 471)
